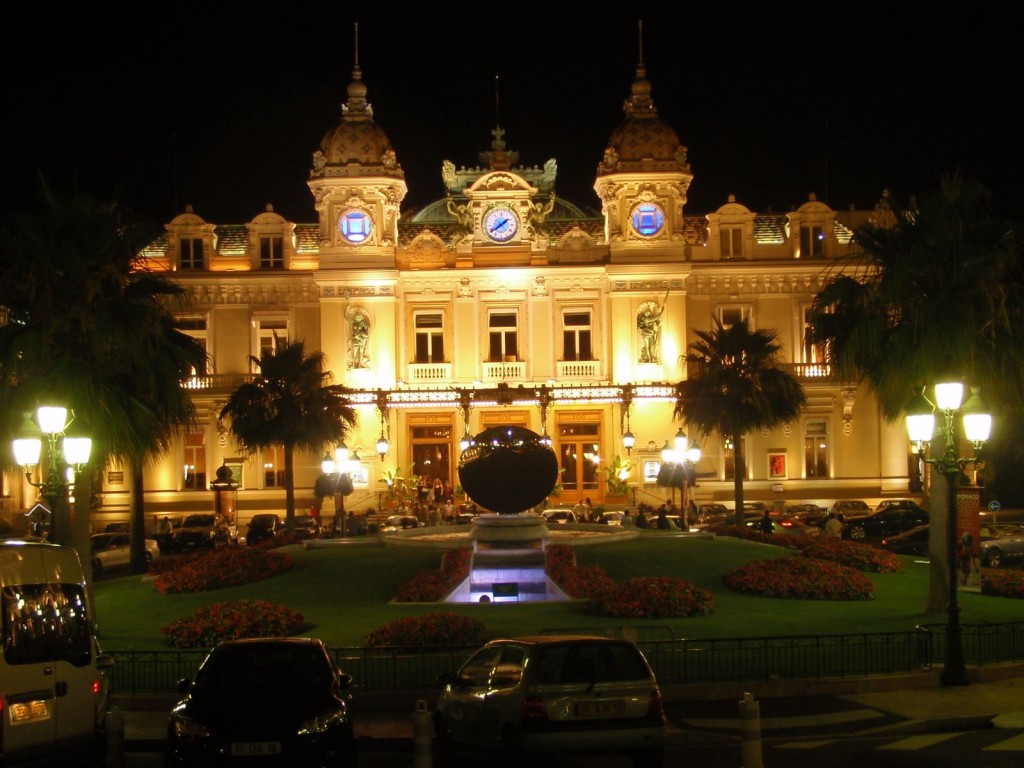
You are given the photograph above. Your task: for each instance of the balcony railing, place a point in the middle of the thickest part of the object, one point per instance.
(430, 373)
(809, 370)
(218, 380)
(504, 371)
(577, 370)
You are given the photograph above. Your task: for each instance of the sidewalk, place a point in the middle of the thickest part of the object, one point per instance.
(914, 704)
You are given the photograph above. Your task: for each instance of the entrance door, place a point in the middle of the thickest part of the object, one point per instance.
(431, 454)
(579, 458)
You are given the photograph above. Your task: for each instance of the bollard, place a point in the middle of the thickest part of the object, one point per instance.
(750, 732)
(422, 738)
(115, 738)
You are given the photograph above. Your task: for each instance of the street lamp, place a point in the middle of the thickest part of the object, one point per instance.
(678, 461)
(63, 452)
(977, 424)
(341, 472)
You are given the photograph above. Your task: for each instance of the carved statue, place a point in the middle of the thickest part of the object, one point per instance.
(463, 219)
(359, 325)
(451, 181)
(648, 322)
(539, 212)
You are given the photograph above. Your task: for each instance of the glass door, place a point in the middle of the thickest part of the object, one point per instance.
(579, 452)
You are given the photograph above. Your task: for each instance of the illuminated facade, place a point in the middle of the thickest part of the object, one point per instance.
(504, 304)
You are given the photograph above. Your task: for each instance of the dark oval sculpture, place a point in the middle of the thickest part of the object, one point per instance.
(508, 470)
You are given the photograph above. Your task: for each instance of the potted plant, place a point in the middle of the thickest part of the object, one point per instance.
(617, 478)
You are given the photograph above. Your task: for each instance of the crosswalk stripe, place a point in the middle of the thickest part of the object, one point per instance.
(1014, 744)
(920, 742)
(796, 721)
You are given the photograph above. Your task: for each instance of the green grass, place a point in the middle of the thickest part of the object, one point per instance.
(344, 593)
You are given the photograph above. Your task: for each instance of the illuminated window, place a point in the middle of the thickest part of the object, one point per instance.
(812, 242)
(270, 334)
(272, 252)
(195, 462)
(196, 328)
(356, 226)
(576, 335)
(191, 253)
(429, 337)
(815, 449)
(647, 219)
(273, 467)
(732, 242)
(503, 336)
(730, 314)
(811, 353)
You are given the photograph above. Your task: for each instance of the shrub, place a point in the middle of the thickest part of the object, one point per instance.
(1002, 583)
(752, 534)
(435, 630)
(432, 586)
(854, 554)
(654, 597)
(226, 567)
(232, 620)
(581, 582)
(800, 577)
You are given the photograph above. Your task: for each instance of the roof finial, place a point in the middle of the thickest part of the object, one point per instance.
(356, 74)
(640, 98)
(640, 32)
(497, 102)
(356, 108)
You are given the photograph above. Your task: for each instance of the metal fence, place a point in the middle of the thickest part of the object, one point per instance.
(675, 661)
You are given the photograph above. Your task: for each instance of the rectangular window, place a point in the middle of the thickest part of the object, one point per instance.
(729, 315)
(191, 253)
(812, 242)
(503, 337)
(272, 252)
(815, 450)
(196, 328)
(195, 462)
(729, 459)
(429, 337)
(811, 353)
(273, 467)
(576, 336)
(732, 242)
(270, 334)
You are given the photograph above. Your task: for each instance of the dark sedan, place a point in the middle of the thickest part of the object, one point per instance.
(912, 542)
(202, 531)
(276, 701)
(886, 522)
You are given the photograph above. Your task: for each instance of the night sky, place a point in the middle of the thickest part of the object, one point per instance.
(222, 104)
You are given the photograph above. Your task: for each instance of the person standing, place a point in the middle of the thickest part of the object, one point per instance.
(833, 527)
(580, 510)
(765, 525)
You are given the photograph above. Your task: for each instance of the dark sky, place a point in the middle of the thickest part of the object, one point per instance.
(222, 104)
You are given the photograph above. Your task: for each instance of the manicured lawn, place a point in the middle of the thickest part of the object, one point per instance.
(343, 594)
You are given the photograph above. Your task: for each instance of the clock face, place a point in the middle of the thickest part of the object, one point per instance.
(355, 226)
(647, 219)
(501, 224)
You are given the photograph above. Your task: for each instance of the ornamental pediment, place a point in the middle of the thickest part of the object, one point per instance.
(501, 181)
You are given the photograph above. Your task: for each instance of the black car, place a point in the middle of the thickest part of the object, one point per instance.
(206, 530)
(307, 527)
(912, 542)
(886, 522)
(264, 701)
(263, 527)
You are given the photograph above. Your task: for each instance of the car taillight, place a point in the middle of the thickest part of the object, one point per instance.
(533, 708)
(786, 523)
(95, 686)
(656, 706)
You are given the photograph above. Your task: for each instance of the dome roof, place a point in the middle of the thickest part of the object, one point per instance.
(643, 141)
(356, 146)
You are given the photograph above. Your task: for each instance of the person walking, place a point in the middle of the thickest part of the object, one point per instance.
(765, 525)
(833, 527)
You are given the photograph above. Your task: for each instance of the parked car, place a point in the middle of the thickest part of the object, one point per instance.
(400, 523)
(784, 526)
(711, 514)
(754, 507)
(113, 550)
(850, 508)
(205, 530)
(280, 701)
(1001, 544)
(165, 528)
(889, 503)
(887, 522)
(912, 542)
(808, 514)
(307, 527)
(117, 528)
(611, 517)
(559, 516)
(264, 527)
(553, 694)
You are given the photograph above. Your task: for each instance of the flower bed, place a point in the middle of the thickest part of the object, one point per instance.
(226, 567)
(436, 630)
(1002, 582)
(752, 534)
(432, 586)
(801, 577)
(232, 620)
(854, 554)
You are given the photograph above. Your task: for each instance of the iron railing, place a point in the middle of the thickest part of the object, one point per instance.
(675, 661)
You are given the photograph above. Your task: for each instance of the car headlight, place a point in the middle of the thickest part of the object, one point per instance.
(186, 729)
(321, 724)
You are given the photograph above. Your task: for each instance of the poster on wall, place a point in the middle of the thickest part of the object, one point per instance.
(777, 466)
(360, 476)
(651, 470)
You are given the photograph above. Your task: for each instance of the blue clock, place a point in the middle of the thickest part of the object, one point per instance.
(647, 219)
(355, 226)
(501, 224)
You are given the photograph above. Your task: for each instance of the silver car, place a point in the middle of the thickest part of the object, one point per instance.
(553, 694)
(1001, 544)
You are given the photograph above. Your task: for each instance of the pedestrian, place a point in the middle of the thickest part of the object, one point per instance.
(833, 527)
(664, 524)
(691, 513)
(765, 525)
(580, 510)
(965, 555)
(590, 510)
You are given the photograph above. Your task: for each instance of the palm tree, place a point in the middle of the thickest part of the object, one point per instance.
(290, 403)
(85, 328)
(735, 384)
(936, 285)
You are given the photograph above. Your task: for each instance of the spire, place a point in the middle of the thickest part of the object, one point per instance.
(356, 108)
(640, 101)
(498, 159)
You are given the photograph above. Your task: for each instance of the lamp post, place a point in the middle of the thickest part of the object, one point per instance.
(341, 472)
(65, 456)
(977, 424)
(678, 462)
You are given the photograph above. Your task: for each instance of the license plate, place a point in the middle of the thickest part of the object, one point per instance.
(250, 748)
(29, 712)
(610, 708)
